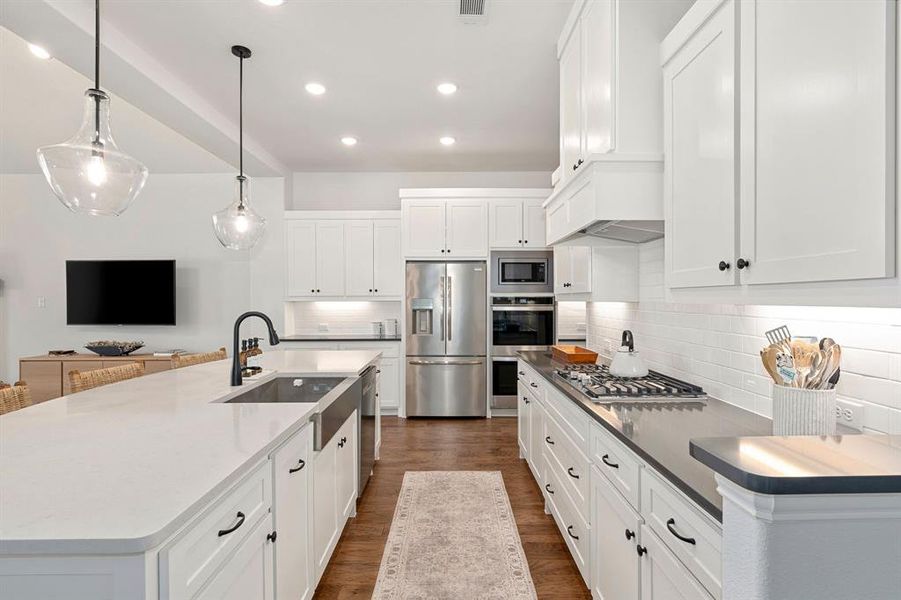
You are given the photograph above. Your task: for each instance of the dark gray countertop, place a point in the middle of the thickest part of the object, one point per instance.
(838, 464)
(660, 434)
(340, 337)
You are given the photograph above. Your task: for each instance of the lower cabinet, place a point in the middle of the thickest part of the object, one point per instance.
(292, 478)
(523, 414)
(616, 527)
(248, 573)
(663, 577)
(536, 440)
(347, 471)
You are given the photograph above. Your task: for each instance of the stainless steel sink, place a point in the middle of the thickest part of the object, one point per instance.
(290, 389)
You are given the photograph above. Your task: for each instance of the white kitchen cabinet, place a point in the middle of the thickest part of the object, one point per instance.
(346, 465)
(516, 223)
(387, 261)
(818, 140)
(423, 227)
(615, 563)
(571, 103)
(292, 478)
(701, 126)
(536, 438)
(663, 577)
(248, 573)
(389, 383)
(572, 269)
(330, 258)
(467, 228)
(523, 416)
(315, 258)
(359, 258)
(598, 77)
(326, 528)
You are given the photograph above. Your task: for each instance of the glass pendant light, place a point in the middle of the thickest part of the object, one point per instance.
(88, 173)
(237, 226)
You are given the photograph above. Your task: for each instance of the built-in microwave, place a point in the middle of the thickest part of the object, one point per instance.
(522, 272)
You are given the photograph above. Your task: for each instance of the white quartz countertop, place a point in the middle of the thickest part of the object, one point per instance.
(120, 468)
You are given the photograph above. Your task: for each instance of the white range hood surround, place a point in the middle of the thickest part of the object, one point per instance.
(614, 196)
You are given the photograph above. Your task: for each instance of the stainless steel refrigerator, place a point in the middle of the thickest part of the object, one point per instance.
(446, 333)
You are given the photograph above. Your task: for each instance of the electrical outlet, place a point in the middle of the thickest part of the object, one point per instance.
(323, 327)
(849, 414)
(42, 302)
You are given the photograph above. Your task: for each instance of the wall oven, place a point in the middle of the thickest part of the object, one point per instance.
(522, 272)
(518, 323)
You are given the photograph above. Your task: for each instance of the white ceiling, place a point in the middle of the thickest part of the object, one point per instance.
(41, 102)
(380, 61)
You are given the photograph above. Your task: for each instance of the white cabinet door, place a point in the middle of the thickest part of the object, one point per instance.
(423, 228)
(563, 268)
(536, 440)
(505, 221)
(330, 258)
(598, 75)
(571, 104)
(389, 382)
(467, 228)
(325, 505)
(388, 263)
(358, 259)
(294, 574)
(346, 467)
(523, 414)
(663, 577)
(576, 265)
(818, 138)
(615, 527)
(248, 573)
(534, 228)
(300, 248)
(700, 122)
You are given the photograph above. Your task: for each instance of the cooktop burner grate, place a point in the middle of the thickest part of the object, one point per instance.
(596, 382)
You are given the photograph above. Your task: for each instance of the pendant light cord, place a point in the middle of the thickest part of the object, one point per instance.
(240, 116)
(97, 44)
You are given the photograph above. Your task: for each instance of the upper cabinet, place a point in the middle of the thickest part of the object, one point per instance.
(515, 223)
(784, 173)
(571, 102)
(336, 255)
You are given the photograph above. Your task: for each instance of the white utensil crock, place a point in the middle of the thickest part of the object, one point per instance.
(798, 411)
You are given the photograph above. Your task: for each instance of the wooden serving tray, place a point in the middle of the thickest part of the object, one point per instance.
(573, 354)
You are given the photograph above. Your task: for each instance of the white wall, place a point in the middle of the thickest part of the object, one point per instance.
(717, 345)
(170, 219)
(378, 190)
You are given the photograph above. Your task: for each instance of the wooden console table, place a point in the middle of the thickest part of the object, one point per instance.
(48, 376)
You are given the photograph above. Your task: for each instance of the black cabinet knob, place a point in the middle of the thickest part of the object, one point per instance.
(629, 534)
(641, 550)
(723, 266)
(318, 290)
(370, 290)
(519, 241)
(376, 289)
(742, 263)
(525, 241)
(313, 290)
(575, 166)
(580, 162)
(448, 250)
(442, 251)
(271, 537)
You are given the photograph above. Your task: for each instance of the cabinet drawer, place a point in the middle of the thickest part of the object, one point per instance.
(573, 527)
(198, 551)
(673, 517)
(526, 374)
(569, 462)
(575, 422)
(618, 464)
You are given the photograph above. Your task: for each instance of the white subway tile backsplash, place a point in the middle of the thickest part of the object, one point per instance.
(717, 346)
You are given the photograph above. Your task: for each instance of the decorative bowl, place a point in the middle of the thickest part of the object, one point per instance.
(113, 348)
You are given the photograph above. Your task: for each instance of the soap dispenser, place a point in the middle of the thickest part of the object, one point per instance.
(626, 362)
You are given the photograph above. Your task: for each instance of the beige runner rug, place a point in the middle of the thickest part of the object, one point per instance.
(453, 537)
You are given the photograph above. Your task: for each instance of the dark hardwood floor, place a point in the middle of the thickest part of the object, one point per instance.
(449, 445)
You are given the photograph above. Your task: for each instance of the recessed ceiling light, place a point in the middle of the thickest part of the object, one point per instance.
(447, 88)
(349, 140)
(448, 140)
(272, 2)
(317, 89)
(38, 51)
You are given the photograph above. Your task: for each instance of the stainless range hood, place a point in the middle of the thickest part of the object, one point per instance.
(636, 232)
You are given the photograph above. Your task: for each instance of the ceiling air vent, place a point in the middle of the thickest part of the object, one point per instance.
(473, 11)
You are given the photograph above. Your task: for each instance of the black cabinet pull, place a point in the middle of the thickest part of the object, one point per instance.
(571, 474)
(629, 534)
(724, 265)
(526, 400)
(608, 463)
(533, 384)
(547, 486)
(522, 372)
(671, 526)
(300, 465)
(641, 550)
(742, 263)
(548, 439)
(569, 530)
(271, 536)
(231, 529)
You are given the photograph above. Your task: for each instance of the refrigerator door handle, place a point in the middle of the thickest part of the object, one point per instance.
(446, 363)
(444, 311)
(450, 310)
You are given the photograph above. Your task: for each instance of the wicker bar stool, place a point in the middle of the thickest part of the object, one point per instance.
(14, 397)
(188, 360)
(97, 377)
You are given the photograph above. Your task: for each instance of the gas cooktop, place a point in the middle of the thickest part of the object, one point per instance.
(596, 382)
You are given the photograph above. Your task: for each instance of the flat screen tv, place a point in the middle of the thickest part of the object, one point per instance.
(120, 292)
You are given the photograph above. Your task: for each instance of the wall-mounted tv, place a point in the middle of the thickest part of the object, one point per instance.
(120, 292)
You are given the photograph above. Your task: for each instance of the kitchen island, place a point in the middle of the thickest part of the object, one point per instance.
(108, 480)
